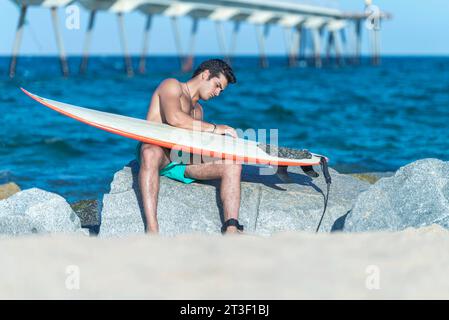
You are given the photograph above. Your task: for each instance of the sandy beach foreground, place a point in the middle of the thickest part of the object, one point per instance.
(412, 264)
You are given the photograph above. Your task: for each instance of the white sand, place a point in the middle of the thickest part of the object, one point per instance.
(413, 264)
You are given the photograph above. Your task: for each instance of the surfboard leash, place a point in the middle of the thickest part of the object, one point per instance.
(328, 179)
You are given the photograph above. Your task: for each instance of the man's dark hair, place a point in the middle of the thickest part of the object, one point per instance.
(215, 67)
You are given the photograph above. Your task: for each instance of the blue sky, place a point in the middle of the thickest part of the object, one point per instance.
(418, 27)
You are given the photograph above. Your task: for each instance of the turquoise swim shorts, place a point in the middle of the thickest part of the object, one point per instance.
(174, 170)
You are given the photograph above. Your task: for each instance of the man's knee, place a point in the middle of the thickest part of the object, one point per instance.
(151, 156)
(233, 169)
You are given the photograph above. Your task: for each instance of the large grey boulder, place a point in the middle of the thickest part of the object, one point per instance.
(267, 204)
(37, 211)
(417, 195)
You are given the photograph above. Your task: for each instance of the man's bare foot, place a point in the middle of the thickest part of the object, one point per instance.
(151, 232)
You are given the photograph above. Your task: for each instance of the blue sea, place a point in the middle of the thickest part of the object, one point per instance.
(364, 118)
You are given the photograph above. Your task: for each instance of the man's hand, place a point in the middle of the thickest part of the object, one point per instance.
(224, 129)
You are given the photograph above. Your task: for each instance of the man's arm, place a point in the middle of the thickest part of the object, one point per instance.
(170, 94)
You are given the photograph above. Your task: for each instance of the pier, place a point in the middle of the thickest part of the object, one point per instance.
(327, 31)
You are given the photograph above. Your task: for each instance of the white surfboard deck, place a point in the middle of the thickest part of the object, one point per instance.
(196, 142)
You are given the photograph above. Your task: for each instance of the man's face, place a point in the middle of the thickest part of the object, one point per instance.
(212, 87)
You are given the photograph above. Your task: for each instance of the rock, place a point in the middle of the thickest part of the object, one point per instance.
(181, 208)
(37, 211)
(381, 174)
(417, 195)
(372, 177)
(88, 211)
(365, 177)
(8, 189)
(301, 205)
(267, 204)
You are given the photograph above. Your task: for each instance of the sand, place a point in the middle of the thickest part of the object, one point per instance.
(412, 264)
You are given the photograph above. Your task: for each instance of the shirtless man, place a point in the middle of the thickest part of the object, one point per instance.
(176, 103)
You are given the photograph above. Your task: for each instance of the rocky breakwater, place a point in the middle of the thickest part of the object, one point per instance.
(268, 205)
(417, 195)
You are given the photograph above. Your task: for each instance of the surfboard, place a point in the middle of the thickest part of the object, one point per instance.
(190, 141)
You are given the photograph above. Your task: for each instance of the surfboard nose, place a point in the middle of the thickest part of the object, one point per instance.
(29, 94)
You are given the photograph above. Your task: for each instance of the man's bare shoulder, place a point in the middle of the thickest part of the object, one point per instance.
(170, 86)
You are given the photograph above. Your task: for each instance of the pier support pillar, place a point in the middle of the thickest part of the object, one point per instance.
(233, 44)
(261, 35)
(17, 41)
(338, 47)
(329, 45)
(358, 41)
(59, 43)
(375, 46)
(221, 40)
(188, 62)
(127, 58)
(302, 47)
(146, 41)
(334, 41)
(292, 41)
(316, 38)
(177, 37)
(288, 45)
(373, 23)
(344, 45)
(87, 40)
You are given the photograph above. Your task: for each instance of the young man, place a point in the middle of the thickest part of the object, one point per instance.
(176, 103)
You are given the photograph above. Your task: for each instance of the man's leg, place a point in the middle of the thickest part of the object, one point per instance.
(152, 159)
(230, 175)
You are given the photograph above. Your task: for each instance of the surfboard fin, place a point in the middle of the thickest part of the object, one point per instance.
(308, 170)
(283, 174)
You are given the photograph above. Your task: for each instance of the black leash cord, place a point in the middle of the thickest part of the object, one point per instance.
(328, 179)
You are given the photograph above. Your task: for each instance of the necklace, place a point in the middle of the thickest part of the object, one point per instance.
(191, 101)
